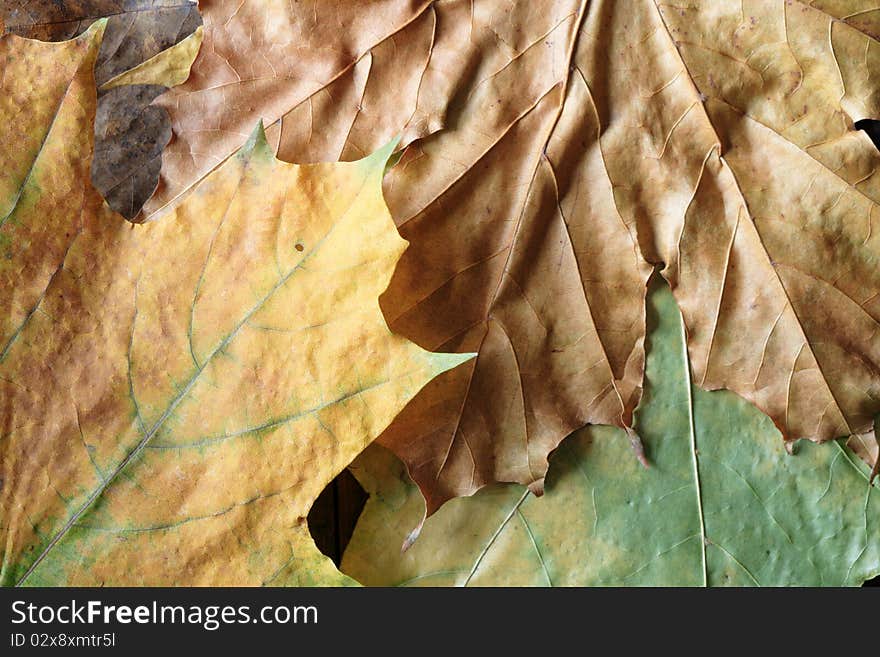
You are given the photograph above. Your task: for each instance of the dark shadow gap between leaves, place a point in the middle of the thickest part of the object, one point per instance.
(335, 513)
(872, 128)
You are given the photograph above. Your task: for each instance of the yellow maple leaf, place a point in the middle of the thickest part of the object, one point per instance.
(176, 394)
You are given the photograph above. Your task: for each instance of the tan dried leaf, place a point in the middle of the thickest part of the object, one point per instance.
(582, 145)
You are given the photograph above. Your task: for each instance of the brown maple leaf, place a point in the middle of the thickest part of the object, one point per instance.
(712, 140)
(335, 80)
(583, 144)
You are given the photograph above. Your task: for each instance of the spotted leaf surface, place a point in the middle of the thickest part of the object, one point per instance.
(175, 395)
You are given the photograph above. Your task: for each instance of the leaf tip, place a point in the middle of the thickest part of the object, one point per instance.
(638, 447)
(444, 362)
(378, 159)
(96, 31)
(412, 537)
(257, 142)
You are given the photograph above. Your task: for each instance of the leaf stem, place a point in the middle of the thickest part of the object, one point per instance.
(694, 453)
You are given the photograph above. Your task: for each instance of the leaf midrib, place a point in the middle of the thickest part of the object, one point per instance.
(778, 278)
(692, 430)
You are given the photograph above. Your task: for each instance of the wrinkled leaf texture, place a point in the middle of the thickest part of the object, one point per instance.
(175, 395)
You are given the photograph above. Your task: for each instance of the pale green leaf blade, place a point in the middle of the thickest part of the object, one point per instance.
(768, 518)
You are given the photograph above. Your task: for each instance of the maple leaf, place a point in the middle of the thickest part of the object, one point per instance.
(691, 137)
(176, 394)
(723, 506)
(557, 154)
(130, 135)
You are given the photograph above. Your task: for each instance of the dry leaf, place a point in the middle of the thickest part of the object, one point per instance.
(130, 135)
(582, 144)
(695, 137)
(867, 446)
(175, 395)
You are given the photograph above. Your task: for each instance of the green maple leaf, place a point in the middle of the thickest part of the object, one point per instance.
(722, 504)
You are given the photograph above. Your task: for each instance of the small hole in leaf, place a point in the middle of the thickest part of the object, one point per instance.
(299, 247)
(871, 128)
(334, 515)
